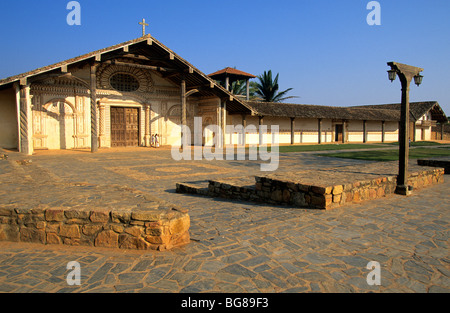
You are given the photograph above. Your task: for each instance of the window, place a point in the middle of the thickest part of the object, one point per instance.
(124, 82)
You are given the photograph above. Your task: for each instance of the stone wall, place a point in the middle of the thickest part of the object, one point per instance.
(282, 191)
(157, 229)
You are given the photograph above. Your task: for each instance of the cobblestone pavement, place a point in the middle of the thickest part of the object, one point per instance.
(236, 246)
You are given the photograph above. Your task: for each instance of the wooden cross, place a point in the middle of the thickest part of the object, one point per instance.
(143, 26)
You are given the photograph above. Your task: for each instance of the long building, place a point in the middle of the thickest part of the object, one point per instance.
(122, 95)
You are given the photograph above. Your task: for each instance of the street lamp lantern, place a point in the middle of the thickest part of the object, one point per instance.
(392, 75)
(418, 79)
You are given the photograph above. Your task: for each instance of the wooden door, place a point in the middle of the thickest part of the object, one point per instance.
(124, 127)
(132, 127)
(339, 136)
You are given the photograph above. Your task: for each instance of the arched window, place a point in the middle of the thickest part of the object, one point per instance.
(124, 82)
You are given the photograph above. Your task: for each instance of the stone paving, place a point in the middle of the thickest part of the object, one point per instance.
(236, 246)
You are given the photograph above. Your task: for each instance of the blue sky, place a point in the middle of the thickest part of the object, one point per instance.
(324, 49)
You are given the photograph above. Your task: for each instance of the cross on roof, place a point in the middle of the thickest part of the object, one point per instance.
(143, 26)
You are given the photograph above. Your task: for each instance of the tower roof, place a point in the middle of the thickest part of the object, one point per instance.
(233, 73)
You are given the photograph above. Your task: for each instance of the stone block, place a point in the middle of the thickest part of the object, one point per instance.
(179, 225)
(54, 215)
(146, 216)
(99, 216)
(28, 234)
(131, 242)
(134, 231)
(53, 239)
(107, 239)
(120, 217)
(72, 231)
(90, 230)
(338, 189)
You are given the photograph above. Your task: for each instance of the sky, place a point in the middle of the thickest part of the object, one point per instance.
(324, 49)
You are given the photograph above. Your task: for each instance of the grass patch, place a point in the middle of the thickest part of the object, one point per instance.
(389, 155)
(324, 147)
(418, 144)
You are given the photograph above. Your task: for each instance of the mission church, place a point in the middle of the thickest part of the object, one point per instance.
(122, 95)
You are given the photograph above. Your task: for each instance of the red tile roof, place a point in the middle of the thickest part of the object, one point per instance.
(231, 71)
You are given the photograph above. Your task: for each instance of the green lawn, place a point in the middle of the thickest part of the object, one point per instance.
(389, 155)
(419, 144)
(325, 147)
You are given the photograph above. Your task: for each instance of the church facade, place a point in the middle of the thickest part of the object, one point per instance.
(122, 95)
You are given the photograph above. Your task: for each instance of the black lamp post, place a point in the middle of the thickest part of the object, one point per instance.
(406, 73)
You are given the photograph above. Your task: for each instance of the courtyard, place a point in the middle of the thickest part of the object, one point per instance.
(237, 247)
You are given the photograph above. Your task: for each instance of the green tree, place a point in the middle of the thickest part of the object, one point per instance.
(267, 89)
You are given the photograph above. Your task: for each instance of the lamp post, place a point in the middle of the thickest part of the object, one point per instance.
(405, 73)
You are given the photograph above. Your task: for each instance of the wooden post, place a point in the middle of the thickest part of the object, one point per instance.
(147, 125)
(244, 124)
(227, 83)
(413, 124)
(344, 133)
(93, 91)
(292, 130)
(320, 131)
(364, 131)
(224, 124)
(261, 135)
(183, 103)
(383, 131)
(26, 129)
(248, 89)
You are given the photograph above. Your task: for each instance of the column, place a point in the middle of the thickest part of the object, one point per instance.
(183, 103)
(101, 119)
(227, 83)
(224, 123)
(344, 133)
(244, 124)
(147, 125)
(414, 131)
(26, 121)
(248, 89)
(383, 131)
(292, 130)
(364, 131)
(261, 135)
(93, 92)
(320, 131)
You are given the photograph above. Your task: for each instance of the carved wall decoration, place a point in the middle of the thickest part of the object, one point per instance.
(106, 71)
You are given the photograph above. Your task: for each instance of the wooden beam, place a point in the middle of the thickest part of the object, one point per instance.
(147, 67)
(149, 41)
(171, 56)
(98, 58)
(64, 69)
(191, 92)
(126, 49)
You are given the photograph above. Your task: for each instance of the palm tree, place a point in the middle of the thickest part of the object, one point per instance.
(267, 88)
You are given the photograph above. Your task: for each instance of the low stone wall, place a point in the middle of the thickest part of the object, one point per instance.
(157, 229)
(271, 190)
(444, 163)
